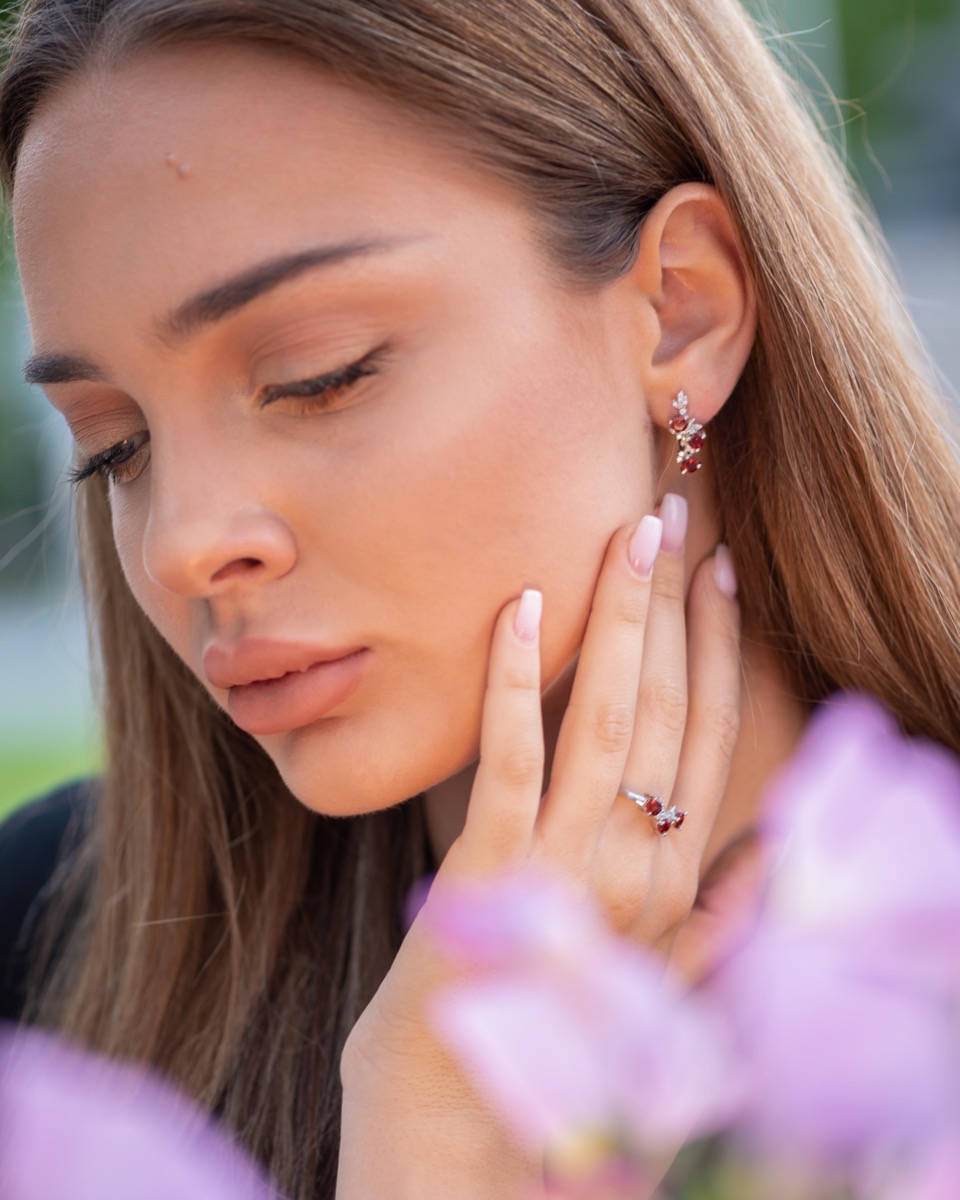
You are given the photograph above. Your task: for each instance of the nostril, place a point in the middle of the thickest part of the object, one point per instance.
(239, 566)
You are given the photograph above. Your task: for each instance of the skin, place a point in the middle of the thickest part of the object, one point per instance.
(513, 436)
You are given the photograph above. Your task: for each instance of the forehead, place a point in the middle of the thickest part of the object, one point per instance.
(184, 165)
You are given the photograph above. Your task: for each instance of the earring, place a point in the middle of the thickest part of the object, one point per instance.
(689, 433)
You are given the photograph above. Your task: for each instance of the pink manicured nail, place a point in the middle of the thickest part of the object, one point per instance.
(526, 621)
(673, 513)
(723, 570)
(644, 545)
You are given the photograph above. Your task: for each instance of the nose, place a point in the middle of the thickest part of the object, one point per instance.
(204, 541)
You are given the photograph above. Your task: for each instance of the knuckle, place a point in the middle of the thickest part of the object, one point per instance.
(519, 677)
(613, 727)
(676, 905)
(520, 766)
(668, 585)
(725, 718)
(626, 906)
(503, 838)
(631, 608)
(685, 899)
(664, 704)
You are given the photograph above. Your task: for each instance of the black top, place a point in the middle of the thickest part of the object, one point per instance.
(32, 841)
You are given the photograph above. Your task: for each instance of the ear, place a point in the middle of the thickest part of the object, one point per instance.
(700, 303)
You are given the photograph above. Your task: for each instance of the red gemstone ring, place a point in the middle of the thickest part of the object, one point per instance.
(665, 817)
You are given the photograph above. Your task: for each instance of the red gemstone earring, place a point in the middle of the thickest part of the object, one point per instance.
(689, 433)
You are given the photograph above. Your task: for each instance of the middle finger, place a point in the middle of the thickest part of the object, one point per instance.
(651, 764)
(597, 727)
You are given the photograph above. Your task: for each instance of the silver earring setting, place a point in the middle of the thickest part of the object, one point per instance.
(689, 433)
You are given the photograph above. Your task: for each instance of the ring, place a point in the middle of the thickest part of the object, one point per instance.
(665, 819)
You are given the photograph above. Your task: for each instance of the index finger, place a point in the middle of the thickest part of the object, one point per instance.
(508, 784)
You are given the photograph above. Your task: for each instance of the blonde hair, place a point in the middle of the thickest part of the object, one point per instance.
(230, 936)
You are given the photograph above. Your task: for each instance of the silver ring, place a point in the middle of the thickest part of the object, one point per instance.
(664, 816)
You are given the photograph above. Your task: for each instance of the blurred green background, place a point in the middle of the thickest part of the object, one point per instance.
(894, 64)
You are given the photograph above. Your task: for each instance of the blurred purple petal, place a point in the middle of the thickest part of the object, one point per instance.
(838, 1059)
(77, 1127)
(518, 917)
(935, 1176)
(870, 825)
(845, 999)
(520, 1042)
(569, 1030)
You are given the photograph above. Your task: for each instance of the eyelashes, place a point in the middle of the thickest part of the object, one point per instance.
(323, 389)
(109, 462)
(124, 460)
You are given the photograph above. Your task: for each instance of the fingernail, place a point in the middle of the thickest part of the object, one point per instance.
(644, 545)
(673, 513)
(526, 620)
(724, 573)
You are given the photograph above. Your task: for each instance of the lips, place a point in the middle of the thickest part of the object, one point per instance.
(274, 687)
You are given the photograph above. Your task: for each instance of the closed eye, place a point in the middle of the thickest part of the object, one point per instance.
(322, 390)
(116, 463)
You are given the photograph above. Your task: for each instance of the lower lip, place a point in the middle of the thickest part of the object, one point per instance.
(297, 699)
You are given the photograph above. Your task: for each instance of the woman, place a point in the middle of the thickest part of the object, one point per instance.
(382, 328)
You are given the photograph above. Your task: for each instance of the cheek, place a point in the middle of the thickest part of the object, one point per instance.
(525, 486)
(517, 476)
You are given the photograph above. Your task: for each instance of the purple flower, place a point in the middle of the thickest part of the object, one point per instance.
(77, 1127)
(845, 999)
(935, 1176)
(578, 1039)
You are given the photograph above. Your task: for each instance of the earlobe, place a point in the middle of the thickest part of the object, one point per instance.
(694, 277)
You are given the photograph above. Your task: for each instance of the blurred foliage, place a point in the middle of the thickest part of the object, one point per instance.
(892, 65)
(29, 772)
(29, 523)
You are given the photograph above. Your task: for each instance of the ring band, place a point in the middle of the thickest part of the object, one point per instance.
(664, 817)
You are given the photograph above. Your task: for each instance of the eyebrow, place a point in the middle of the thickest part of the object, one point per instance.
(214, 304)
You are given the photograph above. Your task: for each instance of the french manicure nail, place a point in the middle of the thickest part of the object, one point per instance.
(644, 545)
(526, 621)
(673, 513)
(724, 573)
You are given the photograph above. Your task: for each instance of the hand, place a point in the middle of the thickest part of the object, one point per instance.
(643, 713)
(639, 715)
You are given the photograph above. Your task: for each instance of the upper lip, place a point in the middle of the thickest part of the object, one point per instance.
(255, 660)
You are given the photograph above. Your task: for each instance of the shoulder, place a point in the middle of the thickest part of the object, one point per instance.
(32, 842)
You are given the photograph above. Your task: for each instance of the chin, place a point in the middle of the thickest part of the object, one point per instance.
(332, 768)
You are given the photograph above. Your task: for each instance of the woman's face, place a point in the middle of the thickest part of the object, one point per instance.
(202, 236)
